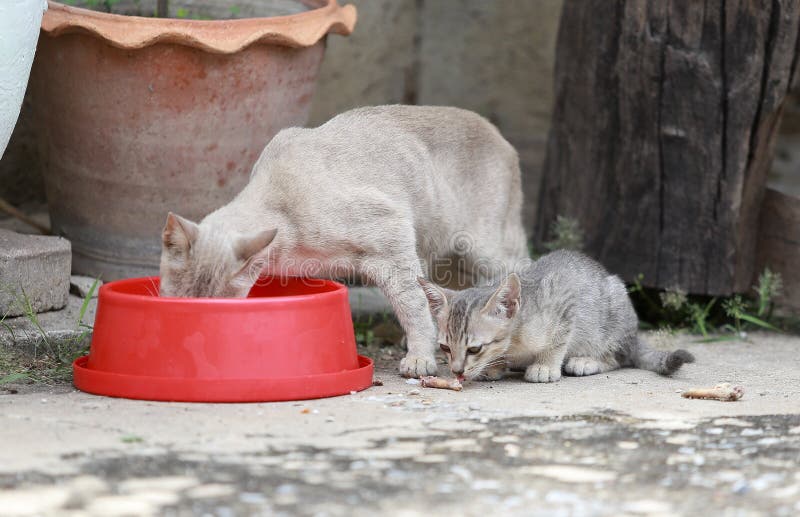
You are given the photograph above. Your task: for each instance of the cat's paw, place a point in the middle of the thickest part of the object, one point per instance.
(542, 373)
(582, 366)
(416, 366)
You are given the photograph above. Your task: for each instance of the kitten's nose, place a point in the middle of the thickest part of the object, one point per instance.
(457, 371)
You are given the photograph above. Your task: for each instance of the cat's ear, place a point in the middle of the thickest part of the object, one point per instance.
(251, 251)
(179, 234)
(505, 301)
(437, 297)
(250, 246)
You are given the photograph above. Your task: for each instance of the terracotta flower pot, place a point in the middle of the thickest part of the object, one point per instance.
(139, 116)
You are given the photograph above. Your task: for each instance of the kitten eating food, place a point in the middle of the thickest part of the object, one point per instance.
(564, 313)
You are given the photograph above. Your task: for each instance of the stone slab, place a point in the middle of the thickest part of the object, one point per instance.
(34, 271)
(61, 329)
(81, 286)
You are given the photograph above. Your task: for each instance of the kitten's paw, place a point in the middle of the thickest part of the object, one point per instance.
(582, 366)
(542, 373)
(416, 366)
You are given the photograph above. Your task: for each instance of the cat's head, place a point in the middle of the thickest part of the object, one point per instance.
(198, 261)
(474, 325)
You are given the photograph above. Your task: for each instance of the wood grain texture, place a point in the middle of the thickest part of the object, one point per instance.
(665, 118)
(779, 244)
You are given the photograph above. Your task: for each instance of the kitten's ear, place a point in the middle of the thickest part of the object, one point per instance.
(248, 247)
(505, 301)
(437, 297)
(179, 234)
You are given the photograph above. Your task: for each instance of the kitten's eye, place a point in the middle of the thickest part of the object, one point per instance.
(474, 349)
(445, 348)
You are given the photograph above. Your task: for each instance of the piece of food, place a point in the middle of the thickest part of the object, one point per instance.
(438, 382)
(724, 392)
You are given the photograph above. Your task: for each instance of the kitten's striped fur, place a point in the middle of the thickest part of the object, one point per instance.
(564, 312)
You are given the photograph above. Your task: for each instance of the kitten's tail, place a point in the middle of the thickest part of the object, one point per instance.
(664, 363)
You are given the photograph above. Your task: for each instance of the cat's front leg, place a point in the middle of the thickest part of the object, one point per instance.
(547, 367)
(411, 307)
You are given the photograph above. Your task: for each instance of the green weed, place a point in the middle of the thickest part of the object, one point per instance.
(54, 365)
(567, 234)
(705, 315)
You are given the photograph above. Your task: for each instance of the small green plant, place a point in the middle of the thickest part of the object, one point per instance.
(698, 315)
(363, 330)
(376, 329)
(736, 308)
(770, 285)
(642, 294)
(363, 327)
(673, 299)
(703, 315)
(567, 234)
(6, 325)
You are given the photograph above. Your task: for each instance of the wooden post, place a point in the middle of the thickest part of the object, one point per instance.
(162, 8)
(779, 244)
(662, 133)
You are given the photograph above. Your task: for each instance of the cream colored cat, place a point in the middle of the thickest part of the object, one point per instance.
(385, 193)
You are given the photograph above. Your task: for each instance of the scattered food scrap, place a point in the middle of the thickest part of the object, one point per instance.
(438, 382)
(377, 382)
(724, 392)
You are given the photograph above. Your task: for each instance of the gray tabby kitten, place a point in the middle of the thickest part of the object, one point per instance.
(565, 312)
(383, 193)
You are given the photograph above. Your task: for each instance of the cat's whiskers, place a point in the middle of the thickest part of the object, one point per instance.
(482, 367)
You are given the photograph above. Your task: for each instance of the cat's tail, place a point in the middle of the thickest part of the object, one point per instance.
(665, 363)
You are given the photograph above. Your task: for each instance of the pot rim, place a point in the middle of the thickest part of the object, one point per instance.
(215, 36)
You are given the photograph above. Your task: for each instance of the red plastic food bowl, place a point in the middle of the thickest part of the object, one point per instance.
(291, 339)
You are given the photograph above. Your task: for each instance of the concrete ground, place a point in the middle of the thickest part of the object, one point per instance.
(618, 443)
